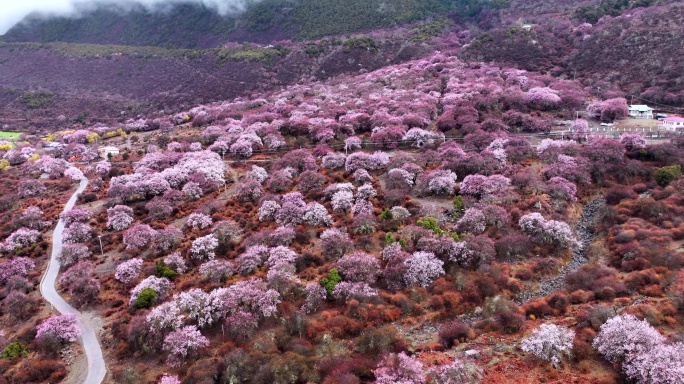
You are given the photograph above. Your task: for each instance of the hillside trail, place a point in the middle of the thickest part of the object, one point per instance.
(91, 345)
(586, 231)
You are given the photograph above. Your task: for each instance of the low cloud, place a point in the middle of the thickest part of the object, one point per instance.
(12, 11)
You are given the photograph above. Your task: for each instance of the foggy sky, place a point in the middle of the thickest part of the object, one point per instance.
(12, 11)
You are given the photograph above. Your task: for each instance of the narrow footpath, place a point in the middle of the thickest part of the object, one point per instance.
(91, 345)
(586, 232)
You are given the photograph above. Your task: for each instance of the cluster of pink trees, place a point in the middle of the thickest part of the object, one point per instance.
(32, 217)
(400, 368)
(633, 141)
(404, 369)
(138, 236)
(50, 165)
(74, 174)
(160, 171)
(480, 186)
(16, 266)
(160, 285)
(549, 342)
(181, 342)
(642, 350)
(359, 267)
(76, 215)
(362, 160)
(561, 188)
(293, 210)
(199, 220)
(473, 221)
(120, 217)
(438, 182)
(72, 254)
(30, 188)
(64, 328)
(176, 262)
(80, 281)
(217, 270)
(422, 268)
(128, 271)
(22, 237)
(609, 110)
(203, 248)
(547, 231)
(243, 303)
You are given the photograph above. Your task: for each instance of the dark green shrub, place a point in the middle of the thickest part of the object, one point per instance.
(459, 206)
(331, 280)
(13, 350)
(665, 175)
(389, 238)
(163, 270)
(431, 224)
(146, 298)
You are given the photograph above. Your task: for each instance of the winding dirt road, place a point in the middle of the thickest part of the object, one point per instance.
(91, 345)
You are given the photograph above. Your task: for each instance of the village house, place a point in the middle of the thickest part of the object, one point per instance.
(674, 123)
(106, 151)
(641, 111)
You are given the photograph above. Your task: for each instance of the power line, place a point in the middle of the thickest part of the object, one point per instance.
(653, 102)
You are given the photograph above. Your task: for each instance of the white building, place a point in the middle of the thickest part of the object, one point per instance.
(106, 151)
(641, 111)
(674, 123)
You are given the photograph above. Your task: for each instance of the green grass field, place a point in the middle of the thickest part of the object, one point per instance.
(9, 135)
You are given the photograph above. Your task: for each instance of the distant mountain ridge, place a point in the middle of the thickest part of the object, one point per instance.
(194, 25)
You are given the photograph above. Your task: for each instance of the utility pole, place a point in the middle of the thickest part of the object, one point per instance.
(101, 249)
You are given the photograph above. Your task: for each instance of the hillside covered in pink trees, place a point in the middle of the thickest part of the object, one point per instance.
(64, 71)
(411, 224)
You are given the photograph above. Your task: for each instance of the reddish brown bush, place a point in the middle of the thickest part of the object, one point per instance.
(436, 302)
(545, 266)
(454, 332)
(442, 285)
(339, 367)
(487, 325)
(344, 378)
(41, 371)
(615, 195)
(579, 296)
(639, 279)
(601, 280)
(640, 188)
(342, 326)
(538, 308)
(524, 273)
(376, 341)
(203, 371)
(512, 247)
(559, 301)
(582, 345)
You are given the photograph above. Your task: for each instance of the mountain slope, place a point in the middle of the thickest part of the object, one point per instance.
(632, 54)
(43, 81)
(190, 25)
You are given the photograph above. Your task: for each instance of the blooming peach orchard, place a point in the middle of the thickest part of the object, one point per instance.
(406, 225)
